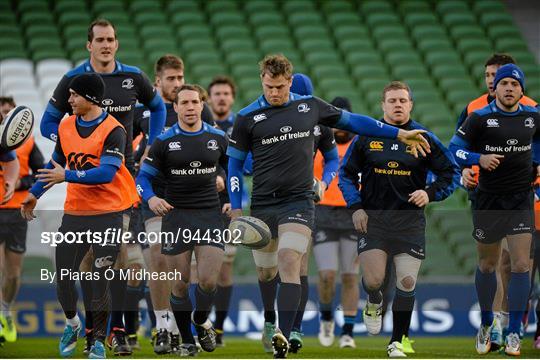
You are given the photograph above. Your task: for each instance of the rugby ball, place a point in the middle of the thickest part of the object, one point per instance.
(252, 232)
(318, 190)
(16, 128)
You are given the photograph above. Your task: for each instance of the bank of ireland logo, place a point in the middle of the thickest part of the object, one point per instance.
(212, 145)
(285, 129)
(195, 164)
(107, 102)
(127, 83)
(303, 108)
(512, 141)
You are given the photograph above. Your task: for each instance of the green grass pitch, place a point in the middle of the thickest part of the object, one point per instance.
(242, 348)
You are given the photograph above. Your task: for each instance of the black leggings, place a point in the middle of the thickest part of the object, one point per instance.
(69, 257)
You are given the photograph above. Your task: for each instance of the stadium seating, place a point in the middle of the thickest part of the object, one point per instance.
(349, 48)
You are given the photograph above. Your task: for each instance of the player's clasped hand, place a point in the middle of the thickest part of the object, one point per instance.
(490, 162)
(27, 207)
(415, 140)
(419, 198)
(159, 206)
(52, 176)
(360, 219)
(467, 176)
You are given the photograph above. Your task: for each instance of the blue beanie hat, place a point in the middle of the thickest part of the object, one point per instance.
(301, 85)
(511, 71)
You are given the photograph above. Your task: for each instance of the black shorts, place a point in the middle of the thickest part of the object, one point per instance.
(13, 230)
(136, 227)
(333, 223)
(495, 216)
(95, 224)
(183, 229)
(298, 211)
(392, 243)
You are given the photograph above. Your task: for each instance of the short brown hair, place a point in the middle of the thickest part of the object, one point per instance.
(202, 92)
(222, 80)
(193, 87)
(276, 65)
(7, 100)
(168, 61)
(396, 85)
(500, 59)
(99, 22)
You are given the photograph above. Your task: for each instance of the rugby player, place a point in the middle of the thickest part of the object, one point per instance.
(334, 247)
(13, 227)
(100, 189)
(499, 138)
(125, 85)
(325, 144)
(389, 209)
(470, 181)
(189, 156)
(278, 129)
(222, 92)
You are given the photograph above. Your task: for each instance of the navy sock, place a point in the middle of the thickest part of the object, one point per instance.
(402, 309)
(182, 308)
(203, 304)
(131, 314)
(221, 302)
(326, 310)
(288, 300)
(118, 298)
(486, 287)
(297, 325)
(268, 294)
(374, 296)
(86, 288)
(348, 325)
(518, 295)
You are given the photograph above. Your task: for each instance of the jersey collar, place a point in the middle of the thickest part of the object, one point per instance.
(118, 67)
(494, 108)
(178, 130)
(263, 103)
(94, 122)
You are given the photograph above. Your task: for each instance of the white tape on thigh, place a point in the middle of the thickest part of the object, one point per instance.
(326, 256)
(347, 256)
(406, 265)
(126, 217)
(135, 256)
(153, 225)
(294, 241)
(265, 260)
(504, 244)
(230, 253)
